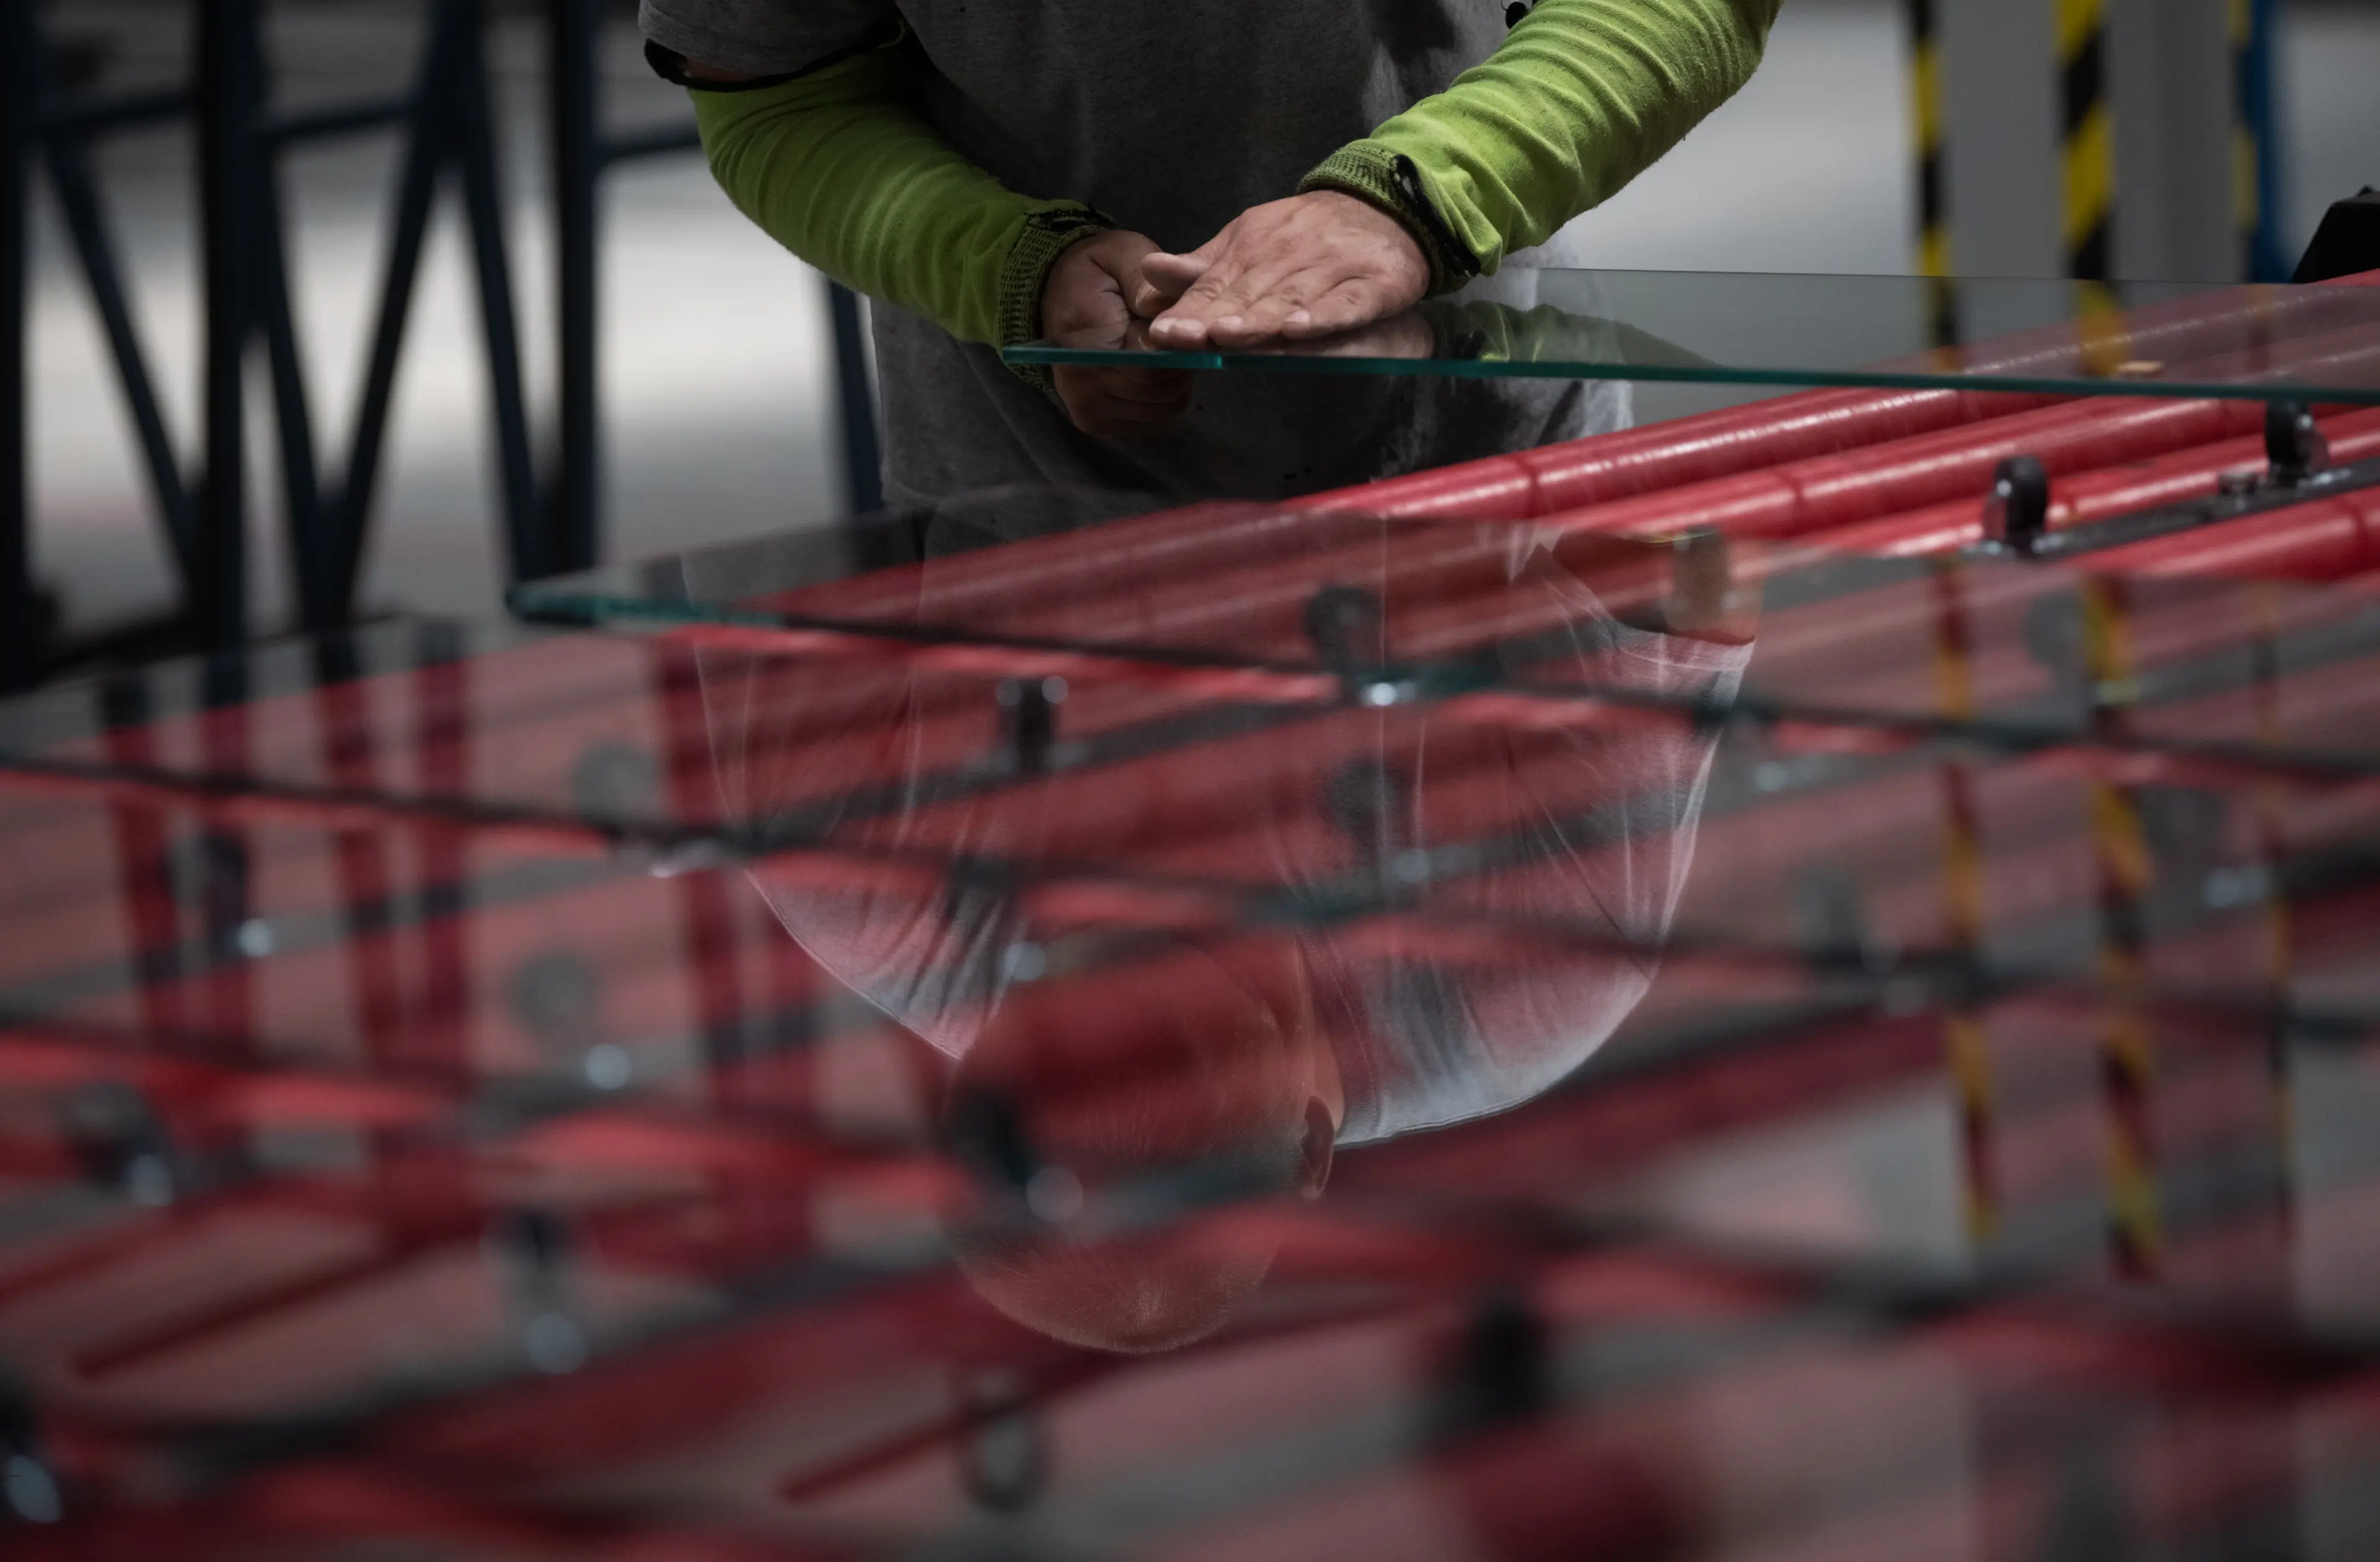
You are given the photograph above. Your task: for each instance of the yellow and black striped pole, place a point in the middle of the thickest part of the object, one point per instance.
(2088, 142)
(2247, 155)
(2125, 874)
(1966, 1040)
(2087, 159)
(1929, 123)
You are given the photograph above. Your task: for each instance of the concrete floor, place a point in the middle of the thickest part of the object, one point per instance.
(716, 375)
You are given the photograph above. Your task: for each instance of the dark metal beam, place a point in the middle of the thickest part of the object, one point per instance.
(68, 162)
(230, 88)
(18, 632)
(448, 121)
(417, 187)
(312, 546)
(474, 148)
(862, 460)
(577, 148)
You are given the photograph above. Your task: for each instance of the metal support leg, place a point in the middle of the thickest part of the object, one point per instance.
(229, 88)
(417, 185)
(475, 149)
(862, 460)
(448, 121)
(20, 650)
(70, 176)
(577, 165)
(313, 548)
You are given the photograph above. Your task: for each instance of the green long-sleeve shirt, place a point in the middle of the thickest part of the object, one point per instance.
(842, 167)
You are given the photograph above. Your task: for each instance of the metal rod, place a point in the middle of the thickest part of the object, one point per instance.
(19, 639)
(577, 146)
(69, 169)
(229, 68)
(417, 185)
(862, 460)
(475, 146)
(312, 554)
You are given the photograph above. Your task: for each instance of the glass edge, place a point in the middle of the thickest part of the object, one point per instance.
(1795, 379)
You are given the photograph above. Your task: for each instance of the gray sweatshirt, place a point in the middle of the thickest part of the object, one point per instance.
(1171, 119)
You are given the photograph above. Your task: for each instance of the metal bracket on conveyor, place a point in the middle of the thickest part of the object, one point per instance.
(1004, 1456)
(984, 1131)
(116, 1134)
(1371, 804)
(1831, 919)
(1028, 722)
(1348, 627)
(29, 1489)
(2298, 470)
(2016, 516)
(2296, 450)
(530, 1248)
(1016, 1193)
(556, 995)
(1504, 1370)
(616, 783)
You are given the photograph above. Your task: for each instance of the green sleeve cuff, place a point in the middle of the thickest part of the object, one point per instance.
(1047, 236)
(1581, 97)
(838, 167)
(1390, 181)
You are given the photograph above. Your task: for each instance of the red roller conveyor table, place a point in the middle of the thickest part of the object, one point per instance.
(1798, 982)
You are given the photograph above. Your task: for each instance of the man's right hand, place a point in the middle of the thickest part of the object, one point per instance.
(1086, 303)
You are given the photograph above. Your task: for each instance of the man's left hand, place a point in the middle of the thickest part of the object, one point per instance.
(1086, 303)
(1312, 265)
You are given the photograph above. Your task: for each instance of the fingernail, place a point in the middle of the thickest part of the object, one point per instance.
(1300, 317)
(1229, 323)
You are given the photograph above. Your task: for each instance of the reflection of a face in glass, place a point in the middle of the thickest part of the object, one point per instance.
(1130, 1112)
(1085, 1137)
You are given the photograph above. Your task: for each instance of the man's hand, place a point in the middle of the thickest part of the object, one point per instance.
(1086, 303)
(1312, 265)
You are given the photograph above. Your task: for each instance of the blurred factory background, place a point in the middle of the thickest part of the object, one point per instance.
(719, 402)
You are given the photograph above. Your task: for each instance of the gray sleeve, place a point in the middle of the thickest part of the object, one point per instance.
(764, 37)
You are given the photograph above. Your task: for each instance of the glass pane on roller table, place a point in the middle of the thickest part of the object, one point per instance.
(2000, 653)
(454, 720)
(578, 743)
(2157, 340)
(322, 1122)
(2255, 671)
(1652, 1282)
(572, 1197)
(325, 1118)
(1276, 603)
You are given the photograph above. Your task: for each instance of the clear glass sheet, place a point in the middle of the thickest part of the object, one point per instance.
(2157, 339)
(1398, 609)
(570, 744)
(570, 1198)
(946, 772)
